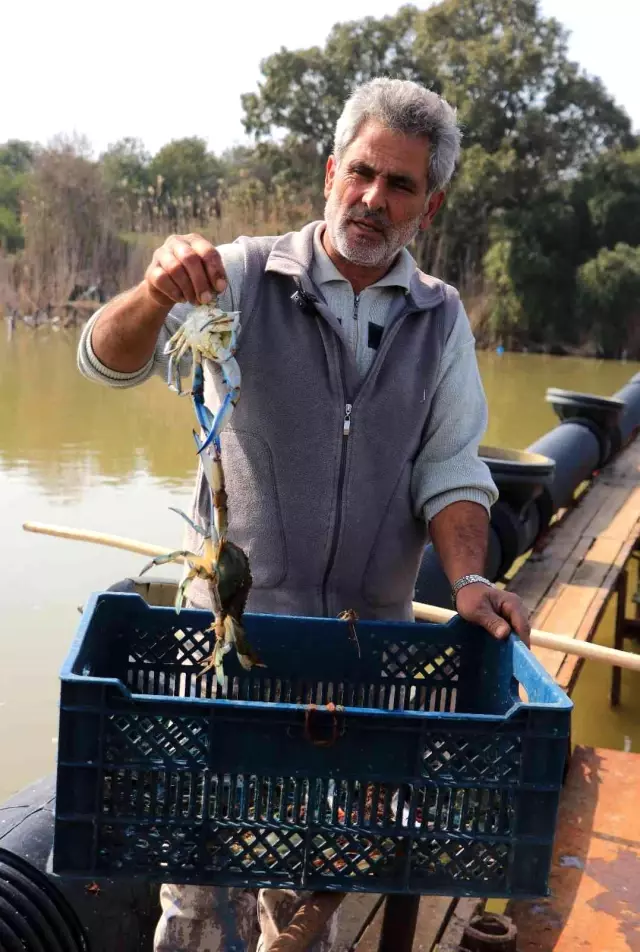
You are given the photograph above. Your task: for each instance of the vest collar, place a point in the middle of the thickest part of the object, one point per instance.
(292, 254)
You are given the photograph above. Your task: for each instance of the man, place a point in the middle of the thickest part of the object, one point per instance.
(361, 411)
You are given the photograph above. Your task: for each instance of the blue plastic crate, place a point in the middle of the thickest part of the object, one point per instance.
(406, 763)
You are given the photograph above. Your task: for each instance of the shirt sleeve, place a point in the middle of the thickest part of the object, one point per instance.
(448, 468)
(231, 300)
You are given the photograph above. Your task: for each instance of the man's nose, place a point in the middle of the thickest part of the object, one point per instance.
(375, 196)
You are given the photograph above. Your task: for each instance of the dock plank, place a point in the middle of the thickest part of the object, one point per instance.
(432, 911)
(463, 911)
(595, 898)
(355, 910)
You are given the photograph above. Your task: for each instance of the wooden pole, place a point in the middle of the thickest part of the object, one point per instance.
(545, 639)
(422, 612)
(99, 538)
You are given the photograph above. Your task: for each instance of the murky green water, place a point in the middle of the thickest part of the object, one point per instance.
(77, 454)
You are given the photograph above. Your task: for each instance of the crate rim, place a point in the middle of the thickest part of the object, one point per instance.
(527, 660)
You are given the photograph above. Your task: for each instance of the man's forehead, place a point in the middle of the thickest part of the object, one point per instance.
(389, 151)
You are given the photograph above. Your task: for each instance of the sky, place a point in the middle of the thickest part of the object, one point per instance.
(166, 69)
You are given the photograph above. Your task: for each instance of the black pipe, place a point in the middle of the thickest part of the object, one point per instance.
(39, 910)
(576, 451)
(629, 423)
(599, 414)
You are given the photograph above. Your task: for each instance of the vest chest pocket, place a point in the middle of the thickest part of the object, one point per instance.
(393, 564)
(255, 519)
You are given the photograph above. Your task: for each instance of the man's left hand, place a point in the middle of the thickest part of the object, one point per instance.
(494, 609)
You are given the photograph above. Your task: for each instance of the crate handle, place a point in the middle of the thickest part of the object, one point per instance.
(337, 726)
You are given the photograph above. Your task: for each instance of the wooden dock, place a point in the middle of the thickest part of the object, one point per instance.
(595, 881)
(567, 584)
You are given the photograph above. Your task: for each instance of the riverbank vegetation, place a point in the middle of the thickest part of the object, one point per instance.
(540, 231)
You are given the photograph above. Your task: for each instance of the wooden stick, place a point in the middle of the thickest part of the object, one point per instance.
(99, 538)
(540, 639)
(545, 639)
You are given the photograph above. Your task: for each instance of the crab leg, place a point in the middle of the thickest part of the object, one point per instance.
(182, 590)
(196, 528)
(213, 426)
(222, 418)
(163, 559)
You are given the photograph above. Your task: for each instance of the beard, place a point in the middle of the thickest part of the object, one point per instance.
(368, 251)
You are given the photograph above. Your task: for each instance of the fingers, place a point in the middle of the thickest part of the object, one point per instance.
(475, 604)
(493, 622)
(161, 286)
(496, 611)
(186, 268)
(211, 260)
(514, 610)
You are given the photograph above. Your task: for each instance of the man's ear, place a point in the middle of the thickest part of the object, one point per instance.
(329, 175)
(433, 205)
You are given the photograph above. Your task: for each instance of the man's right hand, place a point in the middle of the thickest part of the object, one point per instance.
(186, 268)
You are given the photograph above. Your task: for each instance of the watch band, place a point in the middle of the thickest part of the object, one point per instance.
(467, 580)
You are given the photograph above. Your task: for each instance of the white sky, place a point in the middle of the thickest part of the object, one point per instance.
(166, 69)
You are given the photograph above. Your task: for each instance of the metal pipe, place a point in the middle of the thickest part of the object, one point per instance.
(576, 451)
(114, 915)
(629, 423)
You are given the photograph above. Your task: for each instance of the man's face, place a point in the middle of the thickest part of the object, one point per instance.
(377, 198)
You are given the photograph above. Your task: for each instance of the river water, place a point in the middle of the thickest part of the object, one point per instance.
(77, 454)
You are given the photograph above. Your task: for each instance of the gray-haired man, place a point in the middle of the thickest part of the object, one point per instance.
(361, 413)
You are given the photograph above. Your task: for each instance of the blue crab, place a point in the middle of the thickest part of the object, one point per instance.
(211, 334)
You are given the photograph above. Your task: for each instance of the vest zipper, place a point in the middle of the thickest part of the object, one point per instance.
(356, 305)
(346, 423)
(346, 428)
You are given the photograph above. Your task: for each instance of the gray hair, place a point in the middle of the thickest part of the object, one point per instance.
(407, 107)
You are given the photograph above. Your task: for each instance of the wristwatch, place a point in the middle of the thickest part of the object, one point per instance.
(467, 580)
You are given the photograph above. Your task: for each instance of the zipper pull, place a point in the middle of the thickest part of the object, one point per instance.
(356, 305)
(346, 424)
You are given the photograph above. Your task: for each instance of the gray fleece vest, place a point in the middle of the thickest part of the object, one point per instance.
(323, 506)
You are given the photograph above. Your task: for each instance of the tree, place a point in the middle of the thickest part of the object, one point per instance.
(499, 62)
(530, 269)
(125, 166)
(505, 68)
(608, 300)
(68, 225)
(11, 237)
(184, 166)
(16, 159)
(530, 117)
(303, 91)
(608, 191)
(17, 156)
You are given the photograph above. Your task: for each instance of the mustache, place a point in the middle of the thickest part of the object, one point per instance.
(362, 213)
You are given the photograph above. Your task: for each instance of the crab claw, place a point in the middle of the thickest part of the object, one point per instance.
(198, 529)
(222, 418)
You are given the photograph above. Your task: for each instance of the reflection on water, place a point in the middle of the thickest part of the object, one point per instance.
(77, 454)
